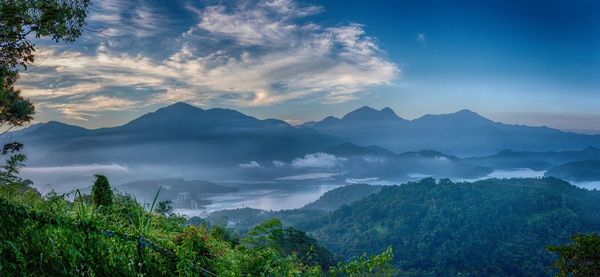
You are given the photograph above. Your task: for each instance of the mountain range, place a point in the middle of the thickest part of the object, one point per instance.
(463, 133)
(177, 134)
(365, 143)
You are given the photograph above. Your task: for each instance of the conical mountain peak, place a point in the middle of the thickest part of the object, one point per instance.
(367, 113)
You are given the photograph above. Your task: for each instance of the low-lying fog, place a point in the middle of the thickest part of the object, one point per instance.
(277, 194)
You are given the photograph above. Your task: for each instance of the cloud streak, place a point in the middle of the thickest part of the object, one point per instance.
(251, 53)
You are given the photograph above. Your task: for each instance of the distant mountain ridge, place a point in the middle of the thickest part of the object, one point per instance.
(178, 133)
(184, 134)
(579, 171)
(509, 159)
(463, 133)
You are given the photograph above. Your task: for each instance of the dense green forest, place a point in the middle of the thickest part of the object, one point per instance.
(345, 195)
(491, 227)
(495, 227)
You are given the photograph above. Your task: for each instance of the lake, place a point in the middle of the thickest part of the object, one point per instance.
(269, 198)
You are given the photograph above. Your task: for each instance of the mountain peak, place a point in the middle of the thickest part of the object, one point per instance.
(368, 113)
(176, 112)
(467, 112)
(55, 127)
(460, 117)
(389, 112)
(188, 117)
(180, 106)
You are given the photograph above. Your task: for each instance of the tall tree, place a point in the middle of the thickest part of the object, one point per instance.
(21, 21)
(102, 193)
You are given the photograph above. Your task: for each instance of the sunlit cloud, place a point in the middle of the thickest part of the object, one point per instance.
(83, 109)
(252, 53)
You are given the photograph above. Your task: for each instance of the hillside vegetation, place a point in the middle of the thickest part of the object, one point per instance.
(486, 228)
(52, 236)
(494, 227)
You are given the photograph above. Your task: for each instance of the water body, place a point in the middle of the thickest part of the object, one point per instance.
(289, 193)
(587, 185)
(270, 198)
(274, 196)
(529, 173)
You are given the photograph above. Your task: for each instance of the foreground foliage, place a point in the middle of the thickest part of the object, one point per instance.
(579, 258)
(52, 236)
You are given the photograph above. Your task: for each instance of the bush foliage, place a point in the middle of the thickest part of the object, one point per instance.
(54, 236)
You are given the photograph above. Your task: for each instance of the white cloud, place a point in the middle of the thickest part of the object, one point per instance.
(249, 54)
(373, 159)
(251, 164)
(82, 109)
(55, 92)
(309, 176)
(361, 180)
(318, 160)
(278, 164)
(418, 175)
(421, 38)
(292, 121)
(114, 18)
(76, 168)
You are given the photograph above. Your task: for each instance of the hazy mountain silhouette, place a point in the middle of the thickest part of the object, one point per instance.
(461, 133)
(509, 159)
(364, 143)
(579, 171)
(350, 149)
(179, 133)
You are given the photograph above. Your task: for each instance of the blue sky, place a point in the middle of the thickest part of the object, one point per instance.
(525, 62)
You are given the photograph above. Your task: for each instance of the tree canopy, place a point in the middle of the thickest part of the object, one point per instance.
(20, 22)
(579, 258)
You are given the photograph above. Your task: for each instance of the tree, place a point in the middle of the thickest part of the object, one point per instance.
(287, 241)
(102, 193)
(12, 165)
(59, 20)
(580, 258)
(165, 208)
(20, 20)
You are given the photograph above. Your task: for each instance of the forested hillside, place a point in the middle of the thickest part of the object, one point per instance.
(338, 197)
(494, 227)
(487, 228)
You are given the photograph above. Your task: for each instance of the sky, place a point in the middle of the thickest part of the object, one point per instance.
(522, 62)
